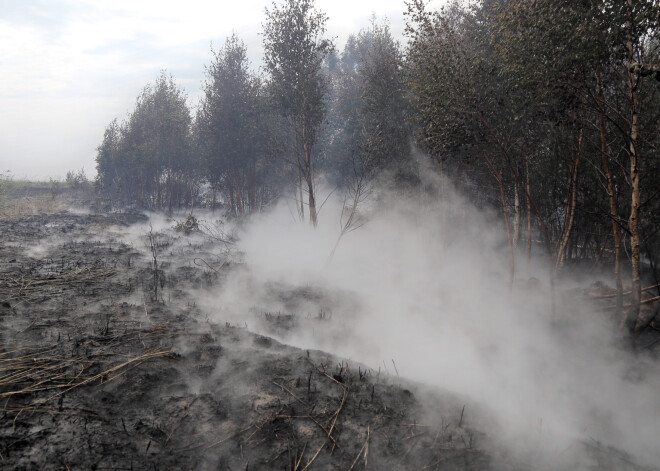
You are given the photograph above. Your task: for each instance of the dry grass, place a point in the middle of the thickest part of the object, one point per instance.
(37, 376)
(17, 208)
(19, 198)
(13, 288)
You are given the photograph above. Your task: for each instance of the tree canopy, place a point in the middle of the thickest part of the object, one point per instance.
(545, 110)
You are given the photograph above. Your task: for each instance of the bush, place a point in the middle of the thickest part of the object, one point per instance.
(190, 225)
(77, 179)
(55, 188)
(5, 177)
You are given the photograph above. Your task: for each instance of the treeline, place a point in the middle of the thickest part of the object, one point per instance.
(251, 137)
(148, 159)
(545, 109)
(549, 108)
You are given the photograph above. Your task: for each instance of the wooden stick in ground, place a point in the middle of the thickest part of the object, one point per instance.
(285, 389)
(364, 449)
(337, 412)
(299, 461)
(334, 420)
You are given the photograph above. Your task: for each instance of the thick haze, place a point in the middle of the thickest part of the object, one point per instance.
(431, 302)
(68, 67)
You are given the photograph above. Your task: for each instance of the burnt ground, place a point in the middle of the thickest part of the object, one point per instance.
(108, 364)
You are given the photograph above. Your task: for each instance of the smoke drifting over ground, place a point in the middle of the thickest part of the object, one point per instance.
(411, 296)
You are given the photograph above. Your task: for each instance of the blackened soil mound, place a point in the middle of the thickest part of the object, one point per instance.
(107, 363)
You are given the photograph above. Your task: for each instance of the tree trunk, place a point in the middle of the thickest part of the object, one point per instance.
(169, 191)
(635, 202)
(159, 201)
(512, 167)
(252, 188)
(612, 195)
(571, 206)
(300, 189)
(529, 213)
(443, 203)
(571, 203)
(517, 219)
(505, 212)
(192, 197)
(308, 176)
(232, 199)
(238, 195)
(512, 266)
(544, 229)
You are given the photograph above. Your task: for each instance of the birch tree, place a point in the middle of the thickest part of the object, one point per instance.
(294, 51)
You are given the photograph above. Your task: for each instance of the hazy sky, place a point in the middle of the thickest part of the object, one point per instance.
(68, 67)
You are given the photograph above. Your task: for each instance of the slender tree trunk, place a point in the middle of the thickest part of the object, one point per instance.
(544, 229)
(581, 254)
(240, 200)
(300, 190)
(571, 206)
(635, 201)
(443, 201)
(517, 219)
(170, 191)
(512, 167)
(232, 199)
(192, 197)
(512, 266)
(571, 203)
(214, 191)
(252, 188)
(159, 202)
(529, 212)
(308, 176)
(612, 195)
(505, 212)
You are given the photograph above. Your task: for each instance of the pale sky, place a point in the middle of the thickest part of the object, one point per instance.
(68, 67)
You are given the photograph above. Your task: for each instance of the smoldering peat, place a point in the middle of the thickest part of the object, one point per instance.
(432, 357)
(411, 297)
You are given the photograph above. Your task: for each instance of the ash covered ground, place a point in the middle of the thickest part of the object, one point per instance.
(107, 362)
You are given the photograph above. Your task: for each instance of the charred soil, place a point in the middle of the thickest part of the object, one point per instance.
(107, 363)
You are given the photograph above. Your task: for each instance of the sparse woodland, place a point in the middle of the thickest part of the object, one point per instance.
(483, 277)
(544, 110)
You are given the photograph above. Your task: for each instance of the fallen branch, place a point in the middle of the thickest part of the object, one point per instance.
(625, 293)
(365, 449)
(333, 423)
(285, 389)
(643, 301)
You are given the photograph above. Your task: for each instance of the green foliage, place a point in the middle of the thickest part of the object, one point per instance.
(368, 105)
(147, 160)
(55, 187)
(231, 128)
(502, 92)
(77, 180)
(294, 53)
(5, 180)
(509, 89)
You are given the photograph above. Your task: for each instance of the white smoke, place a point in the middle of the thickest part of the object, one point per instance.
(432, 302)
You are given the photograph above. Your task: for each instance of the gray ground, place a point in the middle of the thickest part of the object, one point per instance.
(105, 364)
